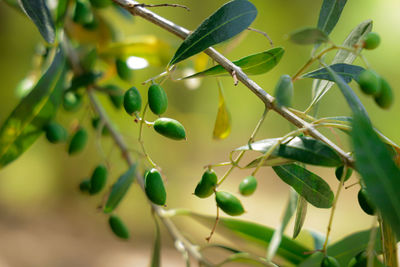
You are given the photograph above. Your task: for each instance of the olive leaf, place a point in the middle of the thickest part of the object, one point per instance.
(38, 12)
(308, 36)
(25, 124)
(301, 213)
(329, 14)
(228, 21)
(222, 126)
(346, 71)
(119, 189)
(256, 64)
(248, 259)
(284, 91)
(309, 185)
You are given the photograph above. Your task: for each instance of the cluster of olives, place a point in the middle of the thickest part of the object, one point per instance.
(226, 201)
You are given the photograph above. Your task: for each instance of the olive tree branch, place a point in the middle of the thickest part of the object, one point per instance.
(266, 98)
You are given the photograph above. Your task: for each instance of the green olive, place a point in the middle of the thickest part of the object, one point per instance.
(207, 184)
(55, 133)
(98, 180)
(158, 100)
(71, 101)
(154, 187)
(365, 202)
(132, 101)
(385, 98)
(115, 94)
(369, 82)
(118, 227)
(229, 203)
(170, 128)
(78, 141)
(284, 91)
(360, 260)
(372, 40)
(123, 71)
(248, 185)
(329, 261)
(100, 3)
(339, 173)
(82, 12)
(84, 186)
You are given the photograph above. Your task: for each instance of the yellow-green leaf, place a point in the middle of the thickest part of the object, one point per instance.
(222, 127)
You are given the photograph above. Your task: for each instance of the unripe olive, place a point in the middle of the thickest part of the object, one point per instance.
(360, 260)
(229, 203)
(82, 12)
(329, 261)
(365, 203)
(71, 101)
(385, 98)
(118, 227)
(98, 180)
(207, 184)
(84, 186)
(154, 187)
(132, 101)
(158, 100)
(78, 141)
(55, 133)
(115, 94)
(123, 71)
(339, 173)
(369, 82)
(371, 41)
(248, 185)
(170, 128)
(100, 3)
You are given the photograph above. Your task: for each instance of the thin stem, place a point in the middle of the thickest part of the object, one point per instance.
(140, 138)
(162, 5)
(371, 243)
(214, 226)
(263, 33)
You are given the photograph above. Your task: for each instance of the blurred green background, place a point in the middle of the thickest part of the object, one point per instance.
(45, 221)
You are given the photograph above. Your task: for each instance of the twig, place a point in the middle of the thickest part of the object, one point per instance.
(162, 5)
(263, 33)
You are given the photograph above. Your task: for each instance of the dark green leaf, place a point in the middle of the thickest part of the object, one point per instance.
(228, 21)
(284, 91)
(256, 64)
(26, 122)
(378, 170)
(346, 71)
(309, 185)
(330, 14)
(38, 12)
(301, 212)
(308, 36)
(156, 259)
(303, 149)
(119, 189)
(271, 161)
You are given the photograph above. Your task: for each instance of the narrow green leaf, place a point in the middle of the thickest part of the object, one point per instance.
(346, 71)
(61, 11)
(301, 213)
(38, 12)
(330, 14)
(309, 185)
(278, 233)
(342, 56)
(119, 189)
(256, 64)
(25, 124)
(378, 171)
(303, 149)
(222, 126)
(308, 36)
(271, 161)
(284, 91)
(228, 21)
(156, 258)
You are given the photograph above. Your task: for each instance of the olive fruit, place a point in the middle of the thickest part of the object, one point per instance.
(115, 94)
(339, 173)
(71, 101)
(154, 187)
(371, 40)
(385, 98)
(82, 13)
(248, 185)
(123, 71)
(158, 101)
(360, 260)
(170, 128)
(100, 3)
(369, 82)
(132, 101)
(98, 179)
(84, 186)
(229, 203)
(55, 133)
(365, 203)
(284, 91)
(207, 184)
(329, 261)
(78, 141)
(118, 227)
